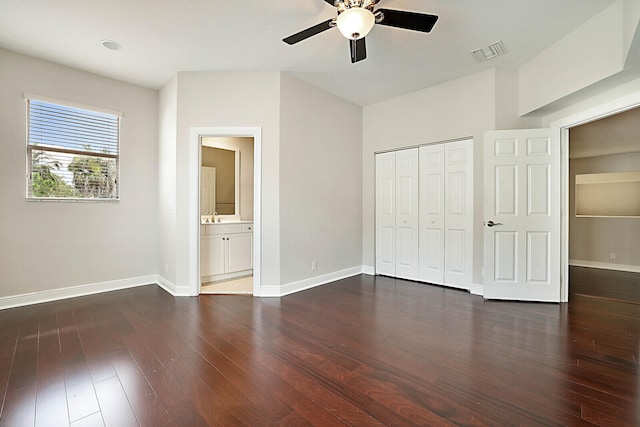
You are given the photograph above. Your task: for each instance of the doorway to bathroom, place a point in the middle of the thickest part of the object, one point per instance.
(226, 215)
(225, 223)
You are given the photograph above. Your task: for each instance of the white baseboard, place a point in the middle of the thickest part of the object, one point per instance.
(604, 265)
(173, 289)
(368, 270)
(289, 288)
(74, 291)
(476, 289)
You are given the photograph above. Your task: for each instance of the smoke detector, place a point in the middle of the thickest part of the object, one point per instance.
(488, 52)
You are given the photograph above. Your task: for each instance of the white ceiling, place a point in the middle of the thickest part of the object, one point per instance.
(161, 37)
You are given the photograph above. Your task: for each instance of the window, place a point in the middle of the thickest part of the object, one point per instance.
(72, 153)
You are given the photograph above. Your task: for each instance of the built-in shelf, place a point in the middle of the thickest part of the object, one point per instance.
(608, 195)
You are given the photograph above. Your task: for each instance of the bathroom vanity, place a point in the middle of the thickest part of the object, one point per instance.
(226, 250)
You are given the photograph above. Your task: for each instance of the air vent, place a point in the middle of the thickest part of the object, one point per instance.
(484, 53)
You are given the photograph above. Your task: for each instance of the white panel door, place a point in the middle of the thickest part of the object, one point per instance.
(431, 159)
(458, 232)
(407, 256)
(385, 213)
(522, 215)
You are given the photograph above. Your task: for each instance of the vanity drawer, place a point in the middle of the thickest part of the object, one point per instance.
(247, 228)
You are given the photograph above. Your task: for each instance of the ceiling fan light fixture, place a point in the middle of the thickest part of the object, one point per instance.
(355, 22)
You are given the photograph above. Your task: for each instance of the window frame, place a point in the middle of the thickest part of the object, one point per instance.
(70, 151)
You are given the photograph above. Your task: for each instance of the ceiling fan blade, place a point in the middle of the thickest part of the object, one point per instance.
(358, 50)
(331, 2)
(408, 20)
(311, 31)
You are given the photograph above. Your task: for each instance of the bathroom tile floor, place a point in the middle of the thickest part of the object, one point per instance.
(242, 285)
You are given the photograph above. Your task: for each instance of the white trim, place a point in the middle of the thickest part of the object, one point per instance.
(290, 288)
(173, 289)
(615, 106)
(194, 201)
(368, 270)
(71, 104)
(564, 215)
(610, 108)
(75, 291)
(476, 289)
(604, 265)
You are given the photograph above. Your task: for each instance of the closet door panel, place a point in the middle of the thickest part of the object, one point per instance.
(407, 256)
(432, 214)
(385, 213)
(455, 258)
(458, 220)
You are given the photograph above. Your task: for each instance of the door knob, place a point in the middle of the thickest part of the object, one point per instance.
(492, 224)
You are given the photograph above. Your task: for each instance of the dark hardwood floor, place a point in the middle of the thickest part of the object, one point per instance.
(366, 351)
(606, 284)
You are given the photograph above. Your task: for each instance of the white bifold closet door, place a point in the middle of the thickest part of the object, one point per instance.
(386, 214)
(424, 214)
(432, 214)
(458, 221)
(397, 214)
(446, 214)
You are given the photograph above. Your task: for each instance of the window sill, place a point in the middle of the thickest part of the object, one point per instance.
(70, 200)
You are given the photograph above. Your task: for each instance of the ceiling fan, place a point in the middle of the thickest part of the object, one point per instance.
(356, 18)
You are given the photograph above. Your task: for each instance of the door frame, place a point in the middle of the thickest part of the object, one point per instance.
(606, 109)
(195, 153)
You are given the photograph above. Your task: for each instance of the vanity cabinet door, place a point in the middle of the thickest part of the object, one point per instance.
(211, 254)
(239, 252)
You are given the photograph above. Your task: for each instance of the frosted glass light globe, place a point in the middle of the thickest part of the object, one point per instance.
(355, 23)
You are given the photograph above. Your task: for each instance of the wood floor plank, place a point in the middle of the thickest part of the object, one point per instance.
(93, 420)
(51, 404)
(165, 387)
(19, 407)
(144, 401)
(114, 405)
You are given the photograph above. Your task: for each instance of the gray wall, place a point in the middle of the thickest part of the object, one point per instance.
(320, 182)
(52, 245)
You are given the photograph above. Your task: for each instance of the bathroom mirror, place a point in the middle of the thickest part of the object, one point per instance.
(219, 185)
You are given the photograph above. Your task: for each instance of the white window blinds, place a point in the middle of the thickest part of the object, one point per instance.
(72, 153)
